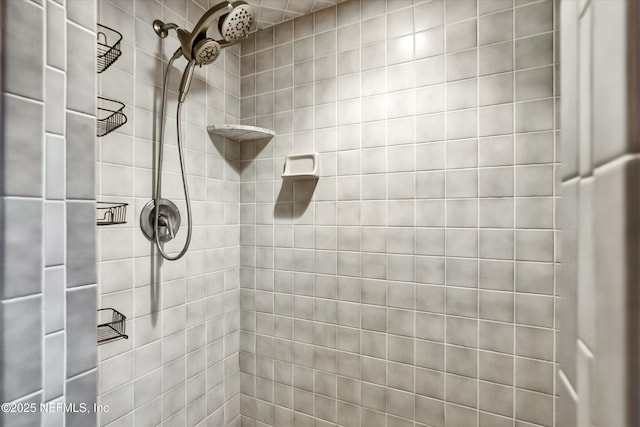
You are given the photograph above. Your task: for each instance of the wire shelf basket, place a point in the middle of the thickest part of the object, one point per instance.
(108, 51)
(111, 213)
(110, 116)
(111, 325)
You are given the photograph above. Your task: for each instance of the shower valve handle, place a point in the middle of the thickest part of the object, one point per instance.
(165, 227)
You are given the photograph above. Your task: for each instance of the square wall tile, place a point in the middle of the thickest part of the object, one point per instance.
(534, 116)
(534, 51)
(495, 58)
(534, 19)
(462, 36)
(534, 84)
(496, 89)
(461, 65)
(495, 151)
(496, 27)
(459, 10)
(429, 71)
(497, 120)
(462, 94)
(534, 245)
(428, 15)
(462, 124)
(534, 407)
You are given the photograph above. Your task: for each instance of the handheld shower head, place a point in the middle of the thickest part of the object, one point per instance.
(204, 53)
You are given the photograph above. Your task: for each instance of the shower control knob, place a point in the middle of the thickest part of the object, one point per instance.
(168, 220)
(165, 228)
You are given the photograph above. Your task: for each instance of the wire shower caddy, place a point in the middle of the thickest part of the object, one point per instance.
(111, 325)
(110, 116)
(108, 52)
(111, 213)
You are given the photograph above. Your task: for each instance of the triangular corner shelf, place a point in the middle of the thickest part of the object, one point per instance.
(241, 132)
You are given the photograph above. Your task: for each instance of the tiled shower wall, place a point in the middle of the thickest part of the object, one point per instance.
(414, 282)
(598, 304)
(179, 366)
(48, 287)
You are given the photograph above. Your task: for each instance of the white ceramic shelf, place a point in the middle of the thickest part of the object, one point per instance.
(241, 132)
(302, 166)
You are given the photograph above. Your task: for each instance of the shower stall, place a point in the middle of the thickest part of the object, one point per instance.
(370, 213)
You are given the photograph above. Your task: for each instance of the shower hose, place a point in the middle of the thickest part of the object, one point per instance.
(185, 186)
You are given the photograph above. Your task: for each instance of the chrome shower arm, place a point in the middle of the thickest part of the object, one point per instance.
(162, 29)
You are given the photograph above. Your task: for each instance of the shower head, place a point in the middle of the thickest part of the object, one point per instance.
(237, 24)
(234, 22)
(206, 51)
